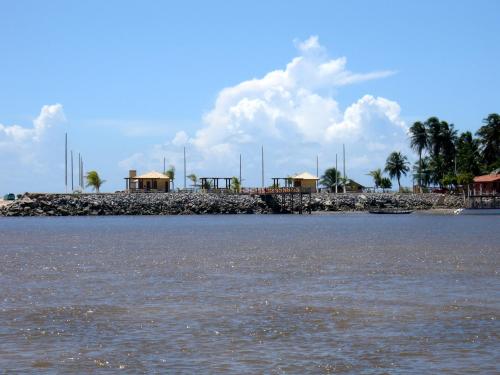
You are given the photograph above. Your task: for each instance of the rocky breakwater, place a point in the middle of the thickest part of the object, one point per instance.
(364, 202)
(133, 204)
(201, 203)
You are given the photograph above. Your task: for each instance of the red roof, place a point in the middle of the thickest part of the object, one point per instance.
(487, 178)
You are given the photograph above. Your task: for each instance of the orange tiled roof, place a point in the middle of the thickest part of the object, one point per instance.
(487, 178)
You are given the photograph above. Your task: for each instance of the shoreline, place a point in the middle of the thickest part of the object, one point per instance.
(118, 204)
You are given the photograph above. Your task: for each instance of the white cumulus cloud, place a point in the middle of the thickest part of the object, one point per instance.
(292, 112)
(49, 116)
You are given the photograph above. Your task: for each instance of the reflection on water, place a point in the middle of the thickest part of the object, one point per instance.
(343, 293)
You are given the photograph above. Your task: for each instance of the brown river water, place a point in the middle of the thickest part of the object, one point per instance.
(273, 294)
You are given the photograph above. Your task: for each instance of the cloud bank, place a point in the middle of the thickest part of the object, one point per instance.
(29, 151)
(49, 116)
(292, 113)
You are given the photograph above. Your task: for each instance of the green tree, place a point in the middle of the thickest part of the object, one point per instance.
(422, 171)
(94, 181)
(330, 177)
(489, 139)
(397, 165)
(419, 140)
(448, 138)
(433, 127)
(193, 178)
(438, 169)
(385, 183)
(376, 174)
(465, 179)
(449, 181)
(170, 173)
(468, 156)
(235, 184)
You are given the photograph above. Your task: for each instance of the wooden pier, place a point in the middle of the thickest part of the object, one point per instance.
(483, 201)
(284, 199)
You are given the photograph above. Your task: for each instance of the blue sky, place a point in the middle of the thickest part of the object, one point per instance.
(132, 82)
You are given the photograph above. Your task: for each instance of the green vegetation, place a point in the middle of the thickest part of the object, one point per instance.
(94, 181)
(489, 139)
(377, 177)
(385, 184)
(418, 142)
(193, 178)
(330, 178)
(397, 165)
(170, 173)
(444, 156)
(235, 184)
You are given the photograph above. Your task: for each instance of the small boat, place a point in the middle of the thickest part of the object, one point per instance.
(390, 211)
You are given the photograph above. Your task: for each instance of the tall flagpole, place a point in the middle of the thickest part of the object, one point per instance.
(262, 166)
(72, 188)
(83, 183)
(79, 173)
(66, 161)
(184, 167)
(317, 171)
(336, 176)
(343, 152)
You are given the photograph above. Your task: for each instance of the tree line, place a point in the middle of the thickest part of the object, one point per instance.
(445, 157)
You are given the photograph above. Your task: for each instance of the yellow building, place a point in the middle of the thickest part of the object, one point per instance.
(149, 182)
(305, 180)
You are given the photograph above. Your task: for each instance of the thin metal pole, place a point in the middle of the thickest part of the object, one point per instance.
(336, 176)
(240, 171)
(79, 170)
(83, 183)
(164, 166)
(72, 188)
(184, 167)
(317, 171)
(262, 166)
(343, 151)
(66, 161)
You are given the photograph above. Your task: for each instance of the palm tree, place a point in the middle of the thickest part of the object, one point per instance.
(433, 128)
(235, 183)
(422, 171)
(437, 169)
(330, 178)
(468, 156)
(419, 140)
(94, 180)
(170, 173)
(397, 165)
(448, 138)
(377, 177)
(489, 138)
(193, 178)
(385, 183)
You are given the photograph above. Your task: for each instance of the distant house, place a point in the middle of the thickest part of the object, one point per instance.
(353, 186)
(149, 182)
(488, 184)
(305, 180)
